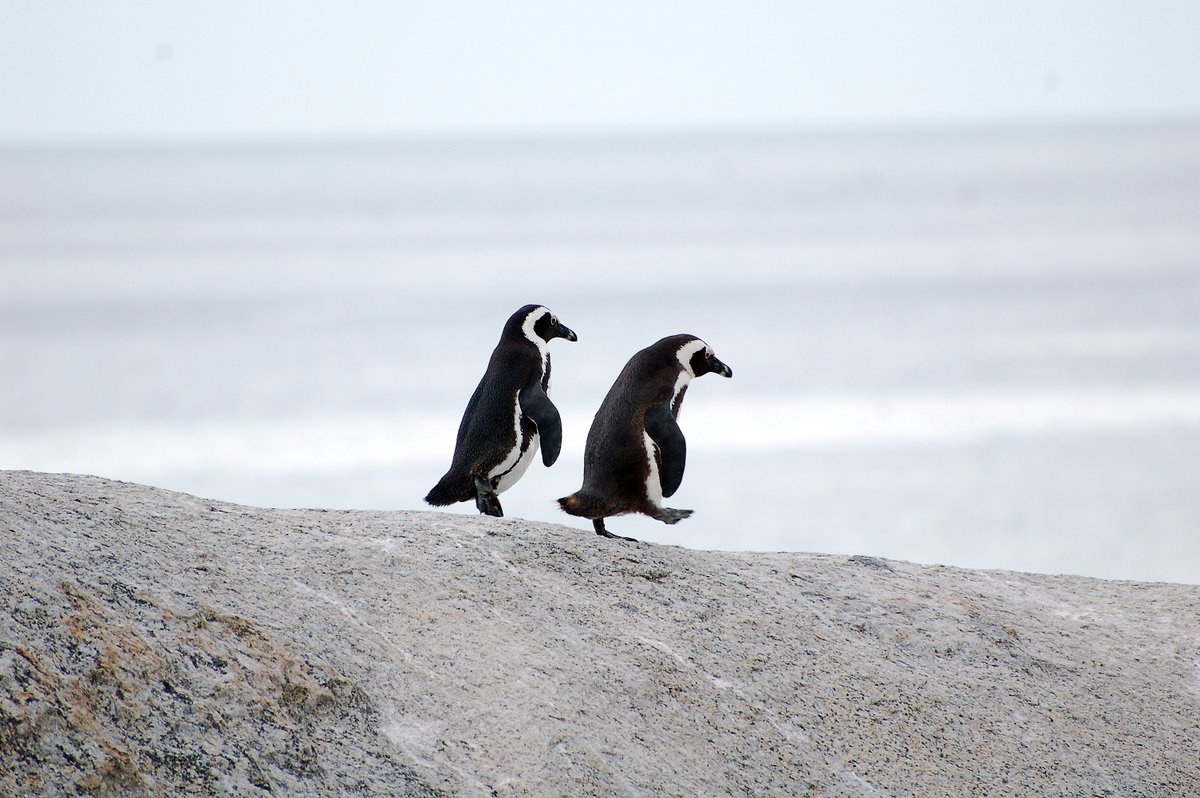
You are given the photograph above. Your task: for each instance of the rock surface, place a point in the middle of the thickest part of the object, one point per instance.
(158, 643)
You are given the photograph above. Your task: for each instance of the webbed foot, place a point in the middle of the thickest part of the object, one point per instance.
(486, 500)
(669, 515)
(598, 523)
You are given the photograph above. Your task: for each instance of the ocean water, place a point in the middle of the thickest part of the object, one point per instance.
(973, 347)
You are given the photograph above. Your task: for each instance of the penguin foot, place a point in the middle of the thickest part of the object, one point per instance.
(598, 523)
(669, 515)
(486, 500)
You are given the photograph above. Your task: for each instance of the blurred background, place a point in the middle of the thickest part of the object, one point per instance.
(951, 250)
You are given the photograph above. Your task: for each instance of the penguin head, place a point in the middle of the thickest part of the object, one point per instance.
(698, 358)
(537, 320)
(549, 328)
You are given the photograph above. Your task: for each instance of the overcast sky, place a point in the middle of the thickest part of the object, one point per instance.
(88, 69)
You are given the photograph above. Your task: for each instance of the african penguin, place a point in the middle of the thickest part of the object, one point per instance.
(509, 414)
(635, 451)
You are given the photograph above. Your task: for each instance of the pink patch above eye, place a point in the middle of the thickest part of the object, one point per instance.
(708, 352)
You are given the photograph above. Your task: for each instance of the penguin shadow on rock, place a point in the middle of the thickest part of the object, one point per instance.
(509, 417)
(635, 452)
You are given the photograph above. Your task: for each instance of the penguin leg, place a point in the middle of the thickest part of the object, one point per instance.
(486, 500)
(669, 515)
(598, 523)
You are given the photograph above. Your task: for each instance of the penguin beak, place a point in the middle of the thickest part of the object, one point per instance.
(720, 368)
(565, 332)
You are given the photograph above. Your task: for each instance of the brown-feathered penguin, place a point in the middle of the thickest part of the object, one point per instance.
(635, 451)
(508, 416)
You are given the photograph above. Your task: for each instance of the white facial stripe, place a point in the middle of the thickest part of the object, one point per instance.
(685, 355)
(534, 338)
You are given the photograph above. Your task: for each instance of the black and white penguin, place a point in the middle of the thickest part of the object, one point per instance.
(635, 450)
(509, 415)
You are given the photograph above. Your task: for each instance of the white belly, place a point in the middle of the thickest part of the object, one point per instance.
(516, 463)
(653, 483)
(523, 459)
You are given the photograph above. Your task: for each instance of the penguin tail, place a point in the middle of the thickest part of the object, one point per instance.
(585, 506)
(451, 489)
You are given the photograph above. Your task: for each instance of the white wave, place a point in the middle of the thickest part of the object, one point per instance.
(269, 446)
(361, 442)
(933, 418)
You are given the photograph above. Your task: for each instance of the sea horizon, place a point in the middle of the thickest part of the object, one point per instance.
(969, 347)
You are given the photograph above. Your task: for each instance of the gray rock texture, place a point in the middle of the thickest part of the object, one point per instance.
(158, 643)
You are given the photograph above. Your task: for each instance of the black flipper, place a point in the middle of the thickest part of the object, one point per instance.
(665, 432)
(538, 407)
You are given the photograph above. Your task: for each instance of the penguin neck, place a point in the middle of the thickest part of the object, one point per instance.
(681, 385)
(543, 347)
(686, 374)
